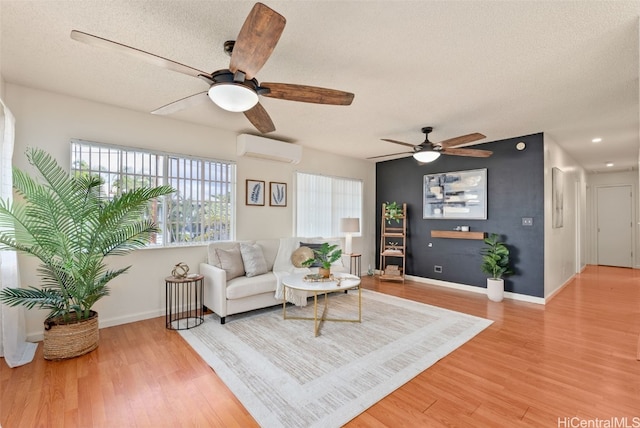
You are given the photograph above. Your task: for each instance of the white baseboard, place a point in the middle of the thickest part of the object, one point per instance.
(109, 322)
(474, 289)
(557, 290)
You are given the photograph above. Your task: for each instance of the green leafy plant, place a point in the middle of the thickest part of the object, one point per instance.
(495, 257)
(325, 255)
(392, 211)
(71, 226)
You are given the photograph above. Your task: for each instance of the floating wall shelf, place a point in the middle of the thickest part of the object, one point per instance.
(454, 234)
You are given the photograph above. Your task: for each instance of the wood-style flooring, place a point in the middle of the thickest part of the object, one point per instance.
(570, 361)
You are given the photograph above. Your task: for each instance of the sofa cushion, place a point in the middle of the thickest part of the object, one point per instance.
(313, 246)
(212, 257)
(269, 250)
(231, 262)
(253, 259)
(301, 255)
(243, 286)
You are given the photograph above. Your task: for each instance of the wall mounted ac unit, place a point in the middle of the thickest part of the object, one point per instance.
(266, 148)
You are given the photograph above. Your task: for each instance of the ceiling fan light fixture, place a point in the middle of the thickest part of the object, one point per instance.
(234, 97)
(426, 156)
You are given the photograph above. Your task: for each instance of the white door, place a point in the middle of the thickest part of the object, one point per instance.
(614, 226)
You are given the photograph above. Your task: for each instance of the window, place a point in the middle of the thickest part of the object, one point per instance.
(201, 208)
(321, 202)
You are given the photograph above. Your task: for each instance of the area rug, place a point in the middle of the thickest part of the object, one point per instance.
(286, 377)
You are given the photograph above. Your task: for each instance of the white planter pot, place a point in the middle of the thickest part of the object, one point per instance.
(495, 289)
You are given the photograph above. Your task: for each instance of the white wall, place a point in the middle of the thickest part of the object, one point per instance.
(611, 179)
(563, 254)
(50, 121)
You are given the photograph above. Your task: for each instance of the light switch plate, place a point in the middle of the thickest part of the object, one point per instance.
(527, 221)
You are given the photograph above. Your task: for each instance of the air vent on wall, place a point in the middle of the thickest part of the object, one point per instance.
(266, 148)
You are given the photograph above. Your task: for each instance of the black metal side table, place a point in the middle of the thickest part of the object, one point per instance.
(184, 302)
(354, 264)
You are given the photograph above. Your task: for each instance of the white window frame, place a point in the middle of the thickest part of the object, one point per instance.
(154, 168)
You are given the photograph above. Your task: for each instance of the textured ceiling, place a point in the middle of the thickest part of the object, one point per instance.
(508, 68)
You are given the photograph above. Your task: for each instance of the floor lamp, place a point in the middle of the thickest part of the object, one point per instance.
(349, 226)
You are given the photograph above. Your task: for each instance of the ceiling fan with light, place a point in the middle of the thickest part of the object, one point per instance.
(236, 89)
(428, 152)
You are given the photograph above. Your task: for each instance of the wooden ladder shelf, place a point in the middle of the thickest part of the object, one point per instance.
(393, 246)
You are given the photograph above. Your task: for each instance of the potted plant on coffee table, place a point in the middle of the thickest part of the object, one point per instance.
(71, 226)
(495, 262)
(325, 255)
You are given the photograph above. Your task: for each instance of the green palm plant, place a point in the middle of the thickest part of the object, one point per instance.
(325, 255)
(71, 226)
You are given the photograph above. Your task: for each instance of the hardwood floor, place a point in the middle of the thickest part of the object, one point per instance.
(534, 366)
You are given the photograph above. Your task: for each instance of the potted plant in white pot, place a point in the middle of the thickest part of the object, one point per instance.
(325, 255)
(495, 262)
(71, 226)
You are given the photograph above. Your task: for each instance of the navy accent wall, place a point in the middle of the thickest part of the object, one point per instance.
(515, 189)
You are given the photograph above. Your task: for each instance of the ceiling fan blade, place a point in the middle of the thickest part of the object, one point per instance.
(257, 39)
(398, 142)
(391, 154)
(137, 53)
(461, 140)
(307, 94)
(184, 103)
(474, 153)
(259, 117)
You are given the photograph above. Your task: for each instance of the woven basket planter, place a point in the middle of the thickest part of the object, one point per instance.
(71, 339)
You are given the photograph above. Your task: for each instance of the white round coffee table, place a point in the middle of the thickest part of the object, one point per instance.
(341, 282)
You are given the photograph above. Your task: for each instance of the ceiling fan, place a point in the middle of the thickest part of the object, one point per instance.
(236, 89)
(428, 152)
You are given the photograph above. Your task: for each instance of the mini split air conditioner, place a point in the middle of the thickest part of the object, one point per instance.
(266, 148)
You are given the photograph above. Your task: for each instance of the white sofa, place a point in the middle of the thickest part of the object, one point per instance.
(246, 290)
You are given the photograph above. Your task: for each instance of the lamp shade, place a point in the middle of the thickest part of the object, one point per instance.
(350, 225)
(233, 96)
(426, 156)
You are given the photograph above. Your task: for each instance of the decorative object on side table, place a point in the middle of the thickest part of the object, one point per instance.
(495, 262)
(180, 270)
(325, 255)
(71, 226)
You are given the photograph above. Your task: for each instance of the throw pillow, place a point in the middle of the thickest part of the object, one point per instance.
(300, 255)
(231, 262)
(253, 259)
(313, 247)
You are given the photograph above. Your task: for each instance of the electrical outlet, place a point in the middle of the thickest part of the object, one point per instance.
(437, 269)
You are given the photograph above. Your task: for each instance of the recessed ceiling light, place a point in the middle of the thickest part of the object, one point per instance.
(596, 140)
(609, 164)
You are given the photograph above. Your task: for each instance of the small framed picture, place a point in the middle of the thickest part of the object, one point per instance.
(255, 192)
(278, 192)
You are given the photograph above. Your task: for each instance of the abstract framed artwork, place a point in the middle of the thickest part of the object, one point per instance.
(278, 194)
(255, 192)
(557, 201)
(456, 195)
